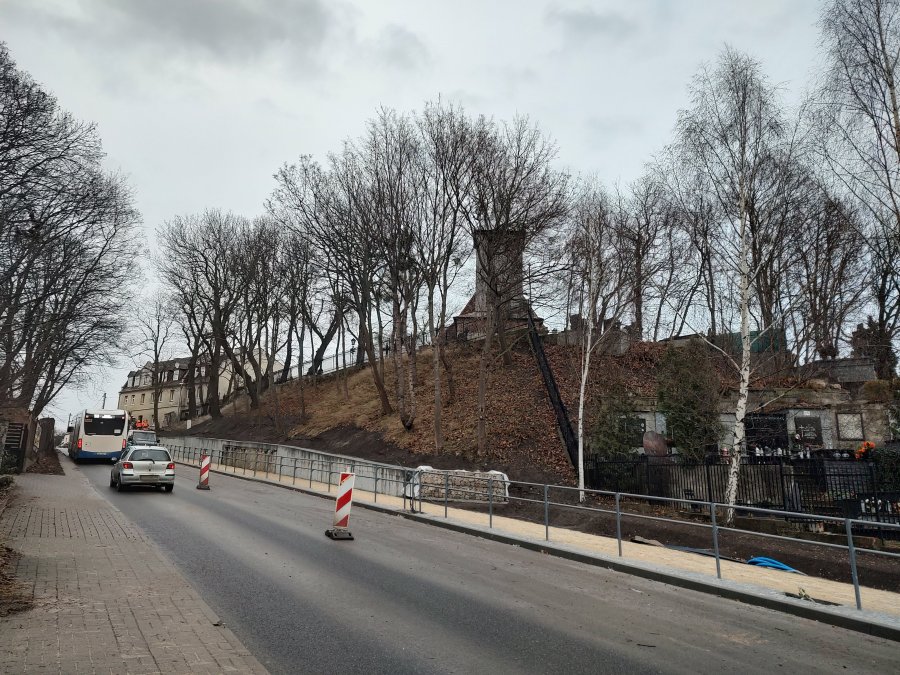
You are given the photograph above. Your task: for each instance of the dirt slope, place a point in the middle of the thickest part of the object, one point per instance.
(522, 433)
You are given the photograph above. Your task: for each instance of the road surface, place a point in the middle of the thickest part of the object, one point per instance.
(409, 598)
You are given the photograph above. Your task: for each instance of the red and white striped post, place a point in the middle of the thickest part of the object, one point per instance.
(342, 507)
(204, 472)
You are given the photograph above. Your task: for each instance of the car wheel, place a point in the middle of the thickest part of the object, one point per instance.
(119, 486)
(168, 488)
(112, 483)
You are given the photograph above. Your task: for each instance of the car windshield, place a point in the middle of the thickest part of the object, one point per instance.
(148, 454)
(143, 438)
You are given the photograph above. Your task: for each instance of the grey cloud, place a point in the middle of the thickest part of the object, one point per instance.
(614, 126)
(400, 48)
(226, 30)
(582, 25)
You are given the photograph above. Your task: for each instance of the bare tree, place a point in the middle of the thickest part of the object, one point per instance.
(334, 212)
(66, 246)
(446, 169)
(390, 155)
(645, 221)
(155, 324)
(830, 278)
(734, 134)
(603, 274)
(516, 199)
(198, 266)
(859, 126)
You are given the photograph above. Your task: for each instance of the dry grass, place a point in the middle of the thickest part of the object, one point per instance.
(522, 432)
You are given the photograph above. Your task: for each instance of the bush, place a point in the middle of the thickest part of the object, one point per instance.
(688, 394)
(878, 391)
(612, 435)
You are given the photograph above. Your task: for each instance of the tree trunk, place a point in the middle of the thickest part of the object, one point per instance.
(482, 384)
(412, 367)
(286, 371)
(212, 387)
(436, 363)
(451, 386)
(400, 380)
(325, 340)
(157, 389)
(366, 339)
(189, 380)
(300, 376)
(500, 322)
(744, 386)
(585, 370)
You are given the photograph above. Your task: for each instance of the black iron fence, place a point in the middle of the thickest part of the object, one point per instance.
(865, 490)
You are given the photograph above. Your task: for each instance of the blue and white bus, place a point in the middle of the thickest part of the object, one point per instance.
(98, 434)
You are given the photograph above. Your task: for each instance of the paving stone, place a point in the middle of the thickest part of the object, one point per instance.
(74, 548)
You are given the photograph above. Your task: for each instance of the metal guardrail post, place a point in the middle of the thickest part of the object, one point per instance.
(294, 474)
(256, 462)
(377, 469)
(330, 467)
(310, 472)
(851, 549)
(446, 491)
(491, 502)
(619, 522)
(715, 533)
(546, 512)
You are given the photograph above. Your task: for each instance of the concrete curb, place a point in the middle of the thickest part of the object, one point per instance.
(799, 608)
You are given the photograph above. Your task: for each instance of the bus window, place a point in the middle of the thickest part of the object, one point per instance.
(104, 426)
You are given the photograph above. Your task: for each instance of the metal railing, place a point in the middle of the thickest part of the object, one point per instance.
(559, 408)
(351, 358)
(316, 468)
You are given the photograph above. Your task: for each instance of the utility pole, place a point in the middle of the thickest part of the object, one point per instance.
(103, 407)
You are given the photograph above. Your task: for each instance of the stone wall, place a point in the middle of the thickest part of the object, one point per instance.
(463, 486)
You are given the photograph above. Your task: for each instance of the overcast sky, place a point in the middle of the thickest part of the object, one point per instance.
(199, 101)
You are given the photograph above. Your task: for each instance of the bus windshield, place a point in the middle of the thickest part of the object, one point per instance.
(104, 426)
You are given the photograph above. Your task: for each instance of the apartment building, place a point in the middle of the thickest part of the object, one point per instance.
(136, 395)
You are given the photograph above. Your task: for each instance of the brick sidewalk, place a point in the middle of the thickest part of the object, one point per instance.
(105, 599)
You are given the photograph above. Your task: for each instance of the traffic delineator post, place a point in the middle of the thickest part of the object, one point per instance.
(204, 472)
(342, 508)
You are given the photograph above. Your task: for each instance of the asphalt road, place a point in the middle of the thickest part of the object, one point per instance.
(409, 598)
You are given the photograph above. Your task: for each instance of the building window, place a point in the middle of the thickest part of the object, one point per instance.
(142, 397)
(132, 398)
(171, 395)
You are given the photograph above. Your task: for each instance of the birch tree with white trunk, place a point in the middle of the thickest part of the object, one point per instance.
(601, 270)
(735, 136)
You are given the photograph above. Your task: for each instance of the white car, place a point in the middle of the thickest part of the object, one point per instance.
(143, 465)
